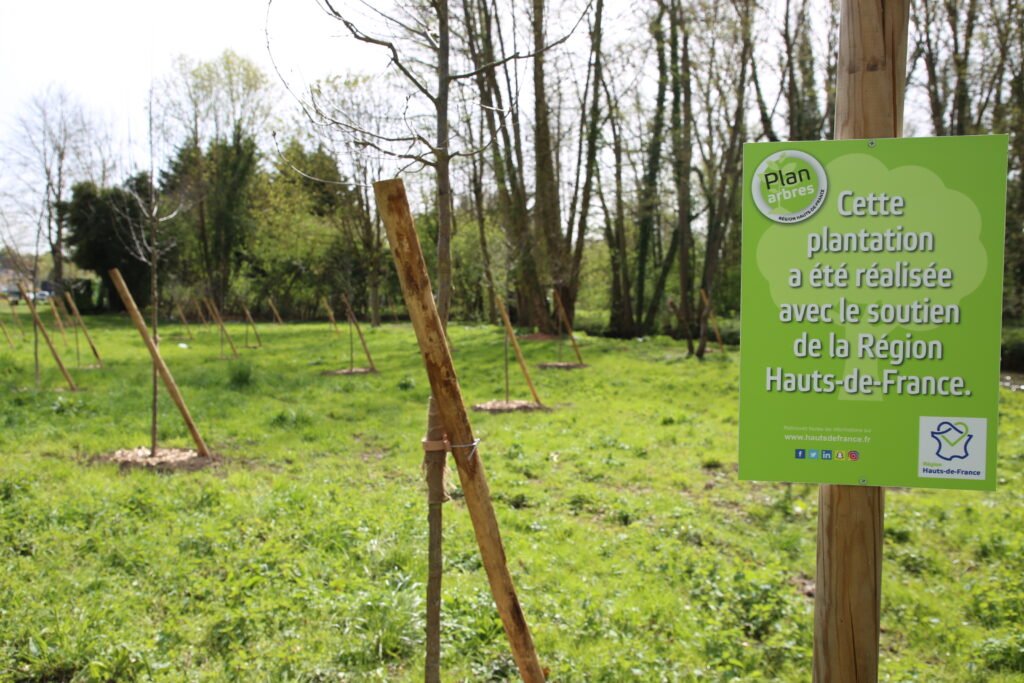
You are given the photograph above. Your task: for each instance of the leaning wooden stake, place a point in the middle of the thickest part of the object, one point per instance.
(848, 592)
(184, 320)
(81, 323)
(568, 325)
(7, 335)
(393, 207)
(199, 312)
(277, 314)
(511, 334)
(252, 324)
(352, 321)
(161, 366)
(215, 314)
(330, 313)
(46, 337)
(714, 320)
(57, 319)
(15, 323)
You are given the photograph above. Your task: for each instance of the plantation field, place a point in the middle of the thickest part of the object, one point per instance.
(301, 555)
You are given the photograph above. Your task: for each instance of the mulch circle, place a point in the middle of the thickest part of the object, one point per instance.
(165, 460)
(508, 407)
(561, 366)
(349, 371)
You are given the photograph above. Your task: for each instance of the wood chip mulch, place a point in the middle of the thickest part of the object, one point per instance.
(562, 366)
(165, 460)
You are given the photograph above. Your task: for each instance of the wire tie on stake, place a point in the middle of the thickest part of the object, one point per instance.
(446, 446)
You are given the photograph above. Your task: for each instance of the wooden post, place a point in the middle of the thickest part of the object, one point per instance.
(511, 333)
(60, 323)
(81, 323)
(330, 313)
(252, 324)
(871, 73)
(199, 312)
(355, 323)
(215, 314)
(46, 337)
(393, 207)
(161, 366)
(273, 309)
(714, 320)
(7, 335)
(568, 325)
(184, 320)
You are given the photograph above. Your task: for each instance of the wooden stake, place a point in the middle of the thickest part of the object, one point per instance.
(248, 316)
(78, 318)
(184, 320)
(199, 312)
(871, 74)
(568, 325)
(511, 333)
(161, 366)
(215, 314)
(714, 320)
(60, 323)
(330, 313)
(6, 334)
(393, 207)
(46, 337)
(355, 323)
(277, 314)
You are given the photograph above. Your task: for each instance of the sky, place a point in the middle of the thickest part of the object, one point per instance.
(106, 53)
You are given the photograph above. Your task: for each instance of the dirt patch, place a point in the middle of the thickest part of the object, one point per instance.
(165, 460)
(508, 407)
(348, 371)
(562, 366)
(804, 584)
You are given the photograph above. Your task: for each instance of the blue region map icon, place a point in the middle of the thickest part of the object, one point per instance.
(952, 440)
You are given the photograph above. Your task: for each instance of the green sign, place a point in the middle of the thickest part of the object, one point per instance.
(872, 306)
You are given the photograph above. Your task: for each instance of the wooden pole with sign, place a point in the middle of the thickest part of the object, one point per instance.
(252, 324)
(81, 323)
(330, 313)
(393, 207)
(184, 320)
(848, 593)
(46, 337)
(511, 333)
(355, 323)
(158, 361)
(215, 314)
(273, 309)
(568, 325)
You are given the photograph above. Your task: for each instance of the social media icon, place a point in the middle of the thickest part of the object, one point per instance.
(839, 455)
(812, 454)
(826, 454)
(801, 454)
(854, 455)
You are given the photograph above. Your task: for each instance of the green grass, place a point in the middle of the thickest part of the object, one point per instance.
(637, 554)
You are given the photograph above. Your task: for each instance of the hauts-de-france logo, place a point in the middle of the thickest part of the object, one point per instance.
(952, 447)
(789, 186)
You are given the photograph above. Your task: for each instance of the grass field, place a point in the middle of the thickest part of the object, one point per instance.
(301, 556)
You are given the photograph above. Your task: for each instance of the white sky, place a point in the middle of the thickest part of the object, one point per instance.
(106, 53)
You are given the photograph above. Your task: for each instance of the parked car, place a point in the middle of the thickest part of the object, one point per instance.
(42, 296)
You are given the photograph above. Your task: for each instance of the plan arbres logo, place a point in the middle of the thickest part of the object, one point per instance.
(789, 186)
